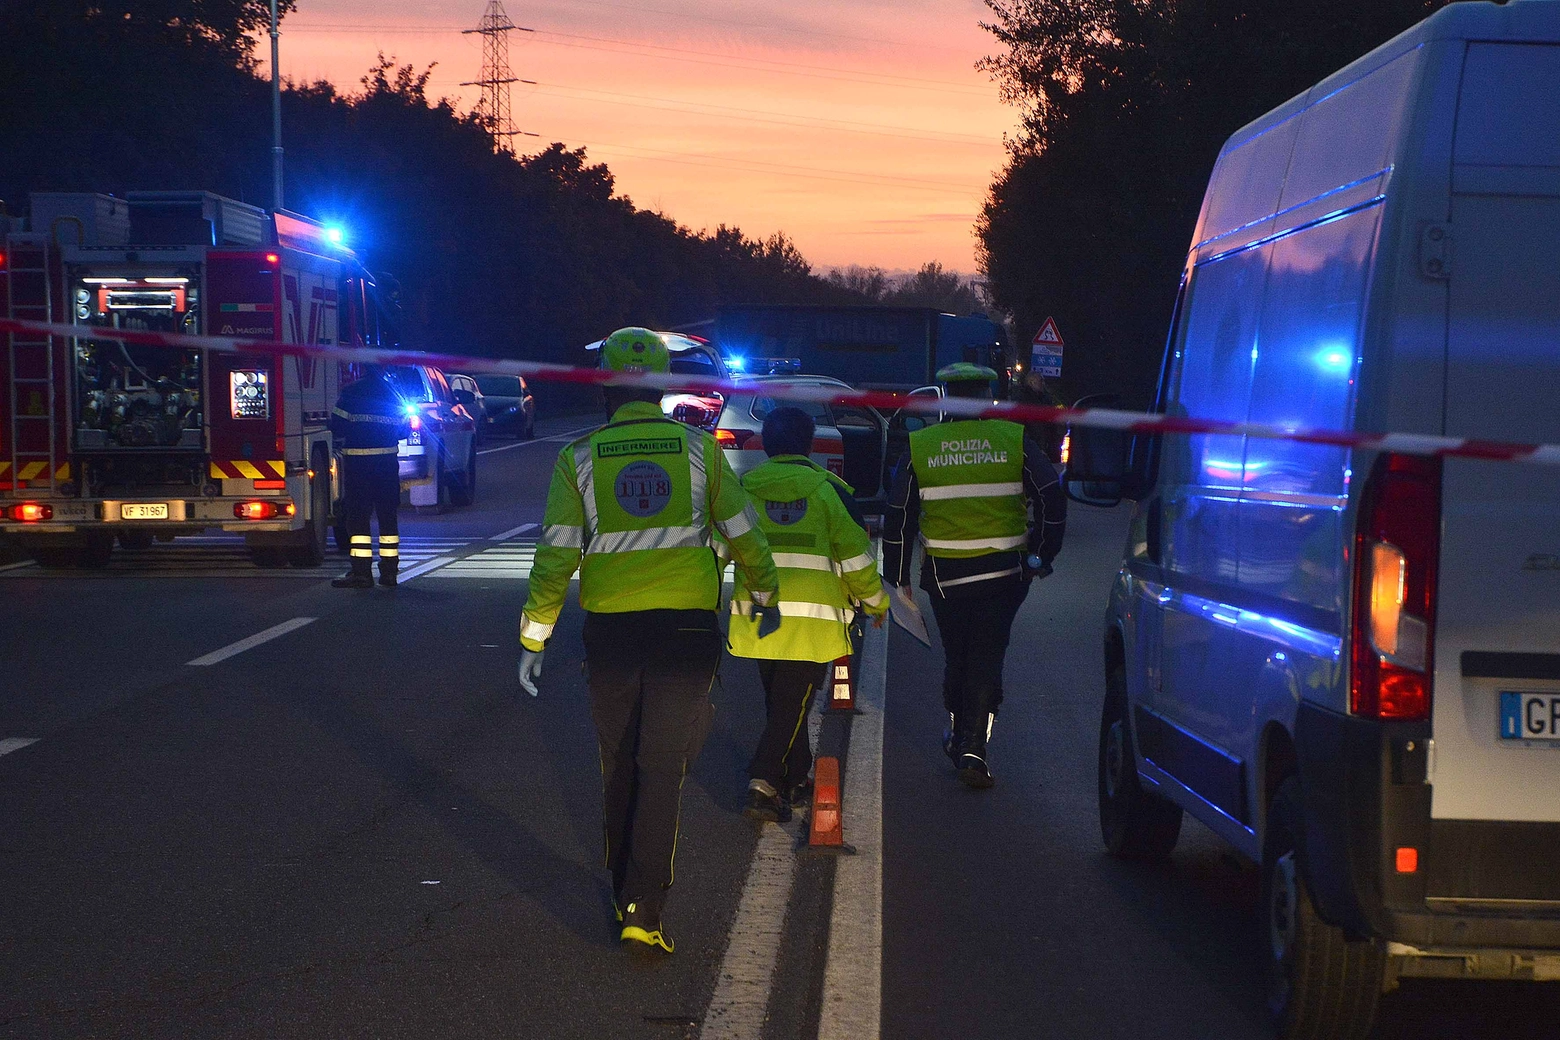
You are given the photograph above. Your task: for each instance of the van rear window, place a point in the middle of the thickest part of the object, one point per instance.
(1497, 122)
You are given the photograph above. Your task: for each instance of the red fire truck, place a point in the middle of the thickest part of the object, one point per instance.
(104, 440)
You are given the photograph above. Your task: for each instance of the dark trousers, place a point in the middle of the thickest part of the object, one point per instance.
(975, 633)
(373, 487)
(649, 674)
(784, 755)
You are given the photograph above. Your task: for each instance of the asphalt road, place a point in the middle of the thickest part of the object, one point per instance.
(361, 829)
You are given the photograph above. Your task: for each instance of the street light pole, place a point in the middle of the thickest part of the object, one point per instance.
(276, 113)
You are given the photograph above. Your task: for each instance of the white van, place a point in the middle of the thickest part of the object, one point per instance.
(1347, 663)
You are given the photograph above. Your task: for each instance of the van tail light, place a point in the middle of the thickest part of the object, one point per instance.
(263, 509)
(1396, 550)
(31, 512)
(733, 438)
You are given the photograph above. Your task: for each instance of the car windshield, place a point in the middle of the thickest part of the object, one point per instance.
(408, 382)
(762, 406)
(693, 363)
(499, 386)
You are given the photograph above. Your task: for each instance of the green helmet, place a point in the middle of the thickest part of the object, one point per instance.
(965, 372)
(635, 350)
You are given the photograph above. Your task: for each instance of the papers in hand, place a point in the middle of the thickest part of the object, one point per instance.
(901, 606)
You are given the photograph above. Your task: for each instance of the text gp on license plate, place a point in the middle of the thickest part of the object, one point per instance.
(144, 511)
(1529, 716)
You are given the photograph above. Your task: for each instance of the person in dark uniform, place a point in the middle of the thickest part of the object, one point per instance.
(986, 505)
(368, 422)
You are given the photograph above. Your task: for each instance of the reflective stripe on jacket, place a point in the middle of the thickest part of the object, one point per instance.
(823, 557)
(971, 479)
(632, 506)
(369, 418)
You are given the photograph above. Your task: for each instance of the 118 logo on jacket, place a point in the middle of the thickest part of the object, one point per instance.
(643, 489)
(786, 513)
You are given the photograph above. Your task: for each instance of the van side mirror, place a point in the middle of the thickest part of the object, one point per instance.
(465, 397)
(1099, 461)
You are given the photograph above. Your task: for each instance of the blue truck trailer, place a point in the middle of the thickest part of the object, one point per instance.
(877, 347)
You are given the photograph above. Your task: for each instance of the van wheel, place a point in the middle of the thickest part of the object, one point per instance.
(463, 489)
(268, 556)
(1321, 985)
(1133, 823)
(312, 552)
(96, 553)
(57, 559)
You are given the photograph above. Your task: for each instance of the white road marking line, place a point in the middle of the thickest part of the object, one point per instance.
(506, 535)
(541, 440)
(853, 975)
(10, 744)
(740, 1003)
(505, 447)
(423, 568)
(234, 649)
(17, 566)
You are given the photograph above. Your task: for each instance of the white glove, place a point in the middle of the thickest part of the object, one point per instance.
(530, 670)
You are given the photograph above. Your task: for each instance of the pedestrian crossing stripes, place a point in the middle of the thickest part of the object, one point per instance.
(510, 561)
(219, 556)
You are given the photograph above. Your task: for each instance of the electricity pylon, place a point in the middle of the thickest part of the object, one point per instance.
(493, 110)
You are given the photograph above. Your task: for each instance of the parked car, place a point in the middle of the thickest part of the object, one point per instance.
(439, 458)
(476, 405)
(1346, 662)
(857, 443)
(509, 406)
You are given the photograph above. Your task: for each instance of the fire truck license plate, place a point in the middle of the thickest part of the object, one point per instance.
(1529, 716)
(144, 511)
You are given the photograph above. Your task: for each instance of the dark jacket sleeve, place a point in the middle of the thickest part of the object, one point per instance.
(852, 507)
(1048, 501)
(901, 524)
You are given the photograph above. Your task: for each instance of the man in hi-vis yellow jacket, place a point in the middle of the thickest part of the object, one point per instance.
(633, 506)
(826, 565)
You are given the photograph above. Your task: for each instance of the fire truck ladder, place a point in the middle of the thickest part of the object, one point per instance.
(30, 365)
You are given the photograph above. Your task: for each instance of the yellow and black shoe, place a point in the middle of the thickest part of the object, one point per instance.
(643, 925)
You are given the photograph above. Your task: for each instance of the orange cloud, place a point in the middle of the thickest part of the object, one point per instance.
(860, 129)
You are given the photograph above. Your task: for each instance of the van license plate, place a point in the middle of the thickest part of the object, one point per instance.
(1529, 716)
(144, 511)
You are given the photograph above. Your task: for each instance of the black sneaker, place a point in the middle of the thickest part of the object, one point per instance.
(641, 924)
(764, 803)
(973, 771)
(801, 794)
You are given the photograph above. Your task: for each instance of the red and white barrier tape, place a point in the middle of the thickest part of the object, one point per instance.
(1106, 418)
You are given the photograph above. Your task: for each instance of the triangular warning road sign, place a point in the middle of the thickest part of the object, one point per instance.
(1048, 336)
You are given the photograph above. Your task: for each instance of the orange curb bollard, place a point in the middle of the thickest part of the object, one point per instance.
(826, 828)
(842, 686)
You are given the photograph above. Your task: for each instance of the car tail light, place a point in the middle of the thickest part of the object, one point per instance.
(262, 509)
(31, 512)
(1397, 547)
(733, 438)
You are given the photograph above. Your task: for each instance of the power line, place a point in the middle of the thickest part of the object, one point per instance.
(888, 79)
(779, 169)
(793, 30)
(758, 115)
(616, 46)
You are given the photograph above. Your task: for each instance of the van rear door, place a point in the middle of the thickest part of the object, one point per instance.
(1497, 642)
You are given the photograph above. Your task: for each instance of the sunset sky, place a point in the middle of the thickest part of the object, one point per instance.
(858, 127)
